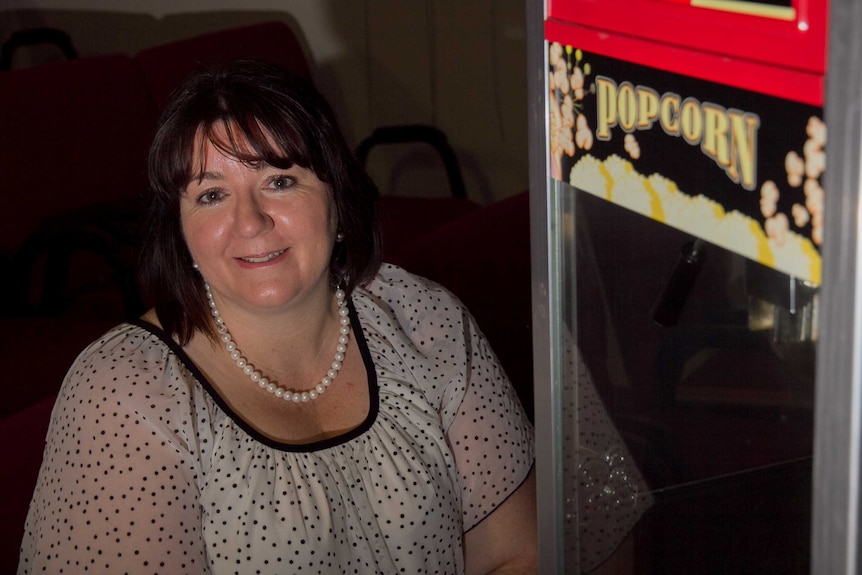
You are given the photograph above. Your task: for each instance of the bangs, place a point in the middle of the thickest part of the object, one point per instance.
(248, 142)
(281, 125)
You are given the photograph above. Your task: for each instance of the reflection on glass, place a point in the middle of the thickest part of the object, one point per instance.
(714, 407)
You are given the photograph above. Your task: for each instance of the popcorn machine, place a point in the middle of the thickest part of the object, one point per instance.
(685, 297)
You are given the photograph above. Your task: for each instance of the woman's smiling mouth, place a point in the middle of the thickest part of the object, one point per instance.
(262, 259)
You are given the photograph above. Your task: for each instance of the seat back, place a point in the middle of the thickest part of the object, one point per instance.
(167, 65)
(22, 451)
(75, 134)
(75, 140)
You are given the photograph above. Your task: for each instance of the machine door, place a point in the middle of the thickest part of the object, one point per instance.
(680, 294)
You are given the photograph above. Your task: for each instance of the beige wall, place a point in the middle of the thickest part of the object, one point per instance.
(459, 65)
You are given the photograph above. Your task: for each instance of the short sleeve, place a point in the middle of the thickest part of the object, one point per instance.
(487, 428)
(612, 494)
(117, 489)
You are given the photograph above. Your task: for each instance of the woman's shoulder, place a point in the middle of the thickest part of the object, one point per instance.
(130, 355)
(424, 325)
(410, 295)
(124, 341)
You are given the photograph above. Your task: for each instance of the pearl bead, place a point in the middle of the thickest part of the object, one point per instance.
(264, 382)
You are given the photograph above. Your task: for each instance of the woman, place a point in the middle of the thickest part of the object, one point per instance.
(289, 404)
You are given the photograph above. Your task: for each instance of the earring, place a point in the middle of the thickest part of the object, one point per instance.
(339, 237)
(195, 265)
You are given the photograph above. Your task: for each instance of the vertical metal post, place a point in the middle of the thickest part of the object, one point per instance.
(835, 520)
(548, 406)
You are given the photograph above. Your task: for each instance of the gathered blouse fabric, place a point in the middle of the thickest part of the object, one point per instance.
(147, 470)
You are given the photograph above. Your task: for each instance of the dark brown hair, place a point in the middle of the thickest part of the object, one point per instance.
(270, 115)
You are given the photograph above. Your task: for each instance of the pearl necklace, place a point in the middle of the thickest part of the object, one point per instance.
(263, 381)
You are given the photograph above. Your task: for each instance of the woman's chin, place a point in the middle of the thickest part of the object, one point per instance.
(267, 297)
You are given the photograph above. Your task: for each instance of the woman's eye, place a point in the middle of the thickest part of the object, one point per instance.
(209, 197)
(282, 182)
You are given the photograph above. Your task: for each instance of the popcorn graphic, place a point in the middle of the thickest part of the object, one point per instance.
(566, 81)
(774, 244)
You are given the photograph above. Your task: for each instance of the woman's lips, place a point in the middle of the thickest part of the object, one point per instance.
(262, 259)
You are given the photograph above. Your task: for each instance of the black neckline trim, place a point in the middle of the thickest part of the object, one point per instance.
(371, 373)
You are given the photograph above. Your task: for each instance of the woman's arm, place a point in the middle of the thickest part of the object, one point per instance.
(117, 492)
(506, 540)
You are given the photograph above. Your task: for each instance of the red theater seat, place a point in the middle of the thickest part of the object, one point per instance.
(167, 65)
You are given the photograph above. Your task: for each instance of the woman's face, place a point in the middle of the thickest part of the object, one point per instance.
(261, 236)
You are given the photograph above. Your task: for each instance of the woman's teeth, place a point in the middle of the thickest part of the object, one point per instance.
(265, 258)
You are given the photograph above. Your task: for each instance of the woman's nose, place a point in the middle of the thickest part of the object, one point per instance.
(251, 217)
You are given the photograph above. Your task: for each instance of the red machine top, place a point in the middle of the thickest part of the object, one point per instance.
(775, 47)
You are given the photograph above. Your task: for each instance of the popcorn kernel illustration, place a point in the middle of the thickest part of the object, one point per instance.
(812, 165)
(578, 83)
(631, 146)
(768, 198)
(795, 167)
(566, 81)
(568, 110)
(583, 135)
(815, 158)
(816, 130)
(814, 196)
(777, 228)
(817, 235)
(801, 217)
(561, 78)
(555, 52)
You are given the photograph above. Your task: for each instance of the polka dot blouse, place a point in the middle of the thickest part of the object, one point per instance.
(602, 479)
(146, 469)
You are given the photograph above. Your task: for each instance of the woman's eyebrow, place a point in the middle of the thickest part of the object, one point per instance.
(205, 176)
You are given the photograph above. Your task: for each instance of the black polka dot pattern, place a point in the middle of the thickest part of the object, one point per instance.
(147, 471)
(610, 492)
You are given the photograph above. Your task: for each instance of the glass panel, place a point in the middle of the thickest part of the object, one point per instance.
(704, 363)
